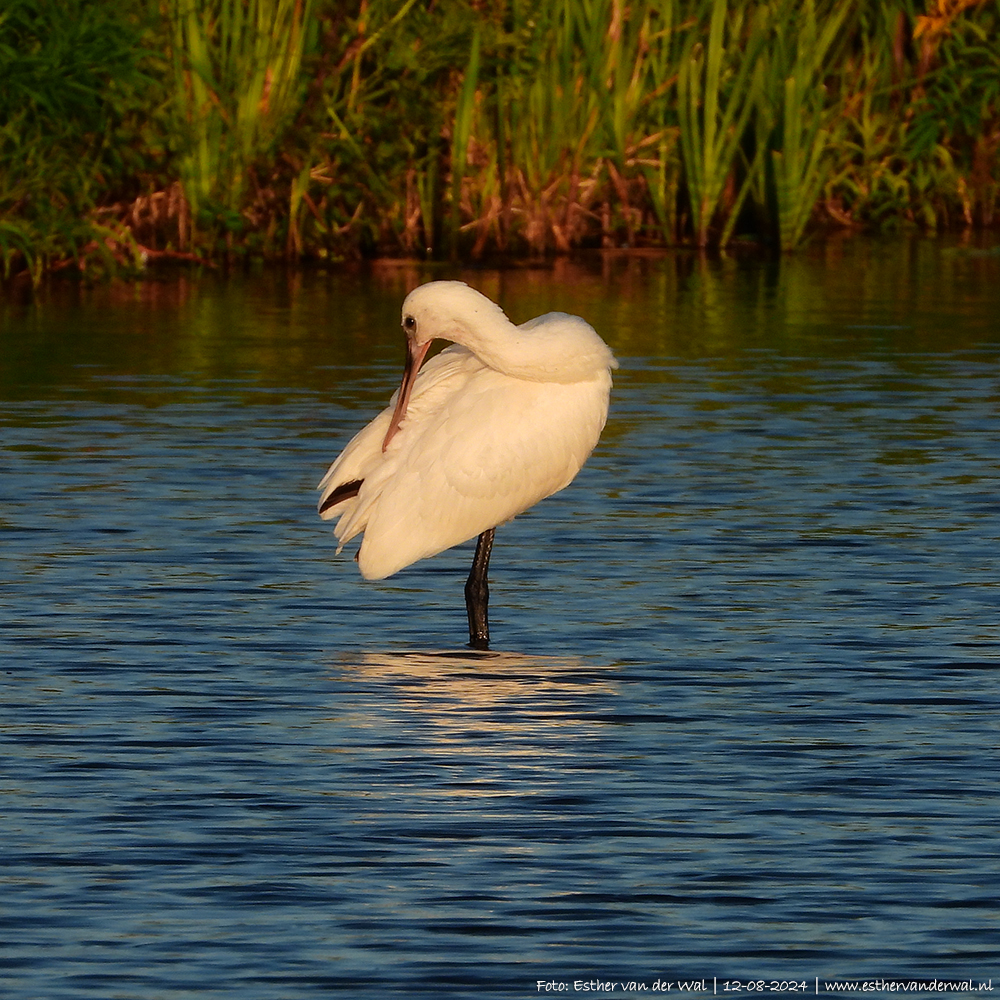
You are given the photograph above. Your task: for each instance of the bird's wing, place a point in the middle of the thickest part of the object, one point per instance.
(353, 483)
(362, 455)
(483, 448)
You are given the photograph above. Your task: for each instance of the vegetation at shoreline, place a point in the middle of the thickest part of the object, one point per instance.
(319, 129)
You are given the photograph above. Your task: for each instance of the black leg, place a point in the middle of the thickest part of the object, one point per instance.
(477, 593)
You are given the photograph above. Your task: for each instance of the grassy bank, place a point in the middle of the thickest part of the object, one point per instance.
(210, 129)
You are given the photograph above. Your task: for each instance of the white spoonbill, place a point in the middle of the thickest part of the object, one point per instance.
(502, 418)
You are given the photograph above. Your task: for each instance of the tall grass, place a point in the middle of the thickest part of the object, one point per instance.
(335, 128)
(599, 123)
(798, 125)
(73, 101)
(237, 77)
(716, 88)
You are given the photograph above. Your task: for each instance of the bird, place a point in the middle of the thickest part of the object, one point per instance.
(497, 421)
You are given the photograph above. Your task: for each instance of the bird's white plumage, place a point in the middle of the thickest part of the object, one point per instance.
(501, 419)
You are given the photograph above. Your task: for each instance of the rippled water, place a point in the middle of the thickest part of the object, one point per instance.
(740, 720)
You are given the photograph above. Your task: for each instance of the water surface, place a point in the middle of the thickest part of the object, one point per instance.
(739, 721)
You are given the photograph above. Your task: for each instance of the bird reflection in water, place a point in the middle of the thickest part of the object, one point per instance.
(478, 692)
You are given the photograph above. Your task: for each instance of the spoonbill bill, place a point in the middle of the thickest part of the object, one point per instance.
(502, 418)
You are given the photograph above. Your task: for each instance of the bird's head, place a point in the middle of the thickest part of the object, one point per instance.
(449, 310)
(439, 310)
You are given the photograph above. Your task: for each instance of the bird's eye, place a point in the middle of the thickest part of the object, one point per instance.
(409, 324)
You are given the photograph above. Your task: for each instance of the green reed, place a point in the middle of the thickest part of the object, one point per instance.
(797, 123)
(461, 133)
(570, 127)
(335, 129)
(550, 116)
(75, 98)
(238, 82)
(715, 102)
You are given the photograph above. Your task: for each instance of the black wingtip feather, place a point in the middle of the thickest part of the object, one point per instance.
(343, 492)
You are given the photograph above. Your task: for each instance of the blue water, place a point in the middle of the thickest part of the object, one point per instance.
(739, 721)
